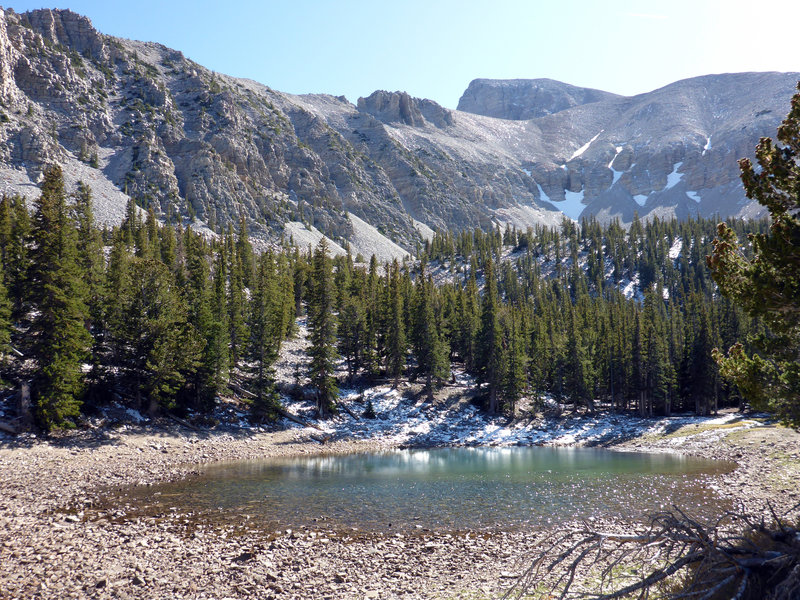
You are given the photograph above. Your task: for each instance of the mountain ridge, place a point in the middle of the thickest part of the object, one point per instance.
(140, 119)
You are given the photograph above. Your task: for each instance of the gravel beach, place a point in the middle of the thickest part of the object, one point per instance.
(57, 540)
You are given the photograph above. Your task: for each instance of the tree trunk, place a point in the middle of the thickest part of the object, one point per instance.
(24, 407)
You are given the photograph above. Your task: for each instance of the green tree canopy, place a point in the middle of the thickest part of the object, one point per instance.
(768, 284)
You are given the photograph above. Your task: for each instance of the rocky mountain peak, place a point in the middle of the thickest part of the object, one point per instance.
(400, 107)
(522, 99)
(67, 29)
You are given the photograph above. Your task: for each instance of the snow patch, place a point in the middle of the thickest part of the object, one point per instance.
(572, 205)
(542, 195)
(674, 177)
(640, 199)
(585, 147)
(707, 147)
(694, 196)
(675, 250)
(616, 174)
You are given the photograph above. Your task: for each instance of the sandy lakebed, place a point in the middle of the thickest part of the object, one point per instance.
(58, 540)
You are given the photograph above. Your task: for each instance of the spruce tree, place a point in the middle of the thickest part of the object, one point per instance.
(430, 349)
(768, 284)
(395, 330)
(59, 339)
(266, 332)
(159, 348)
(490, 350)
(322, 327)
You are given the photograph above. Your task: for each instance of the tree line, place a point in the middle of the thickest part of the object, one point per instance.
(168, 319)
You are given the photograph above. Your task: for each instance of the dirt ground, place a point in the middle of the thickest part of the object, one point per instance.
(56, 543)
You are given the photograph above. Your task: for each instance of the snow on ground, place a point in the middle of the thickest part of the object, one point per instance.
(674, 177)
(694, 196)
(367, 240)
(675, 250)
(640, 199)
(585, 147)
(573, 205)
(630, 287)
(542, 195)
(616, 174)
(304, 237)
(405, 421)
(410, 420)
(707, 147)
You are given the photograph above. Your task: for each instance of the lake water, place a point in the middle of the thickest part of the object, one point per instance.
(446, 488)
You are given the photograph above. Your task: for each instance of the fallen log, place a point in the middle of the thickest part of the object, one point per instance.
(183, 422)
(297, 420)
(241, 391)
(7, 428)
(348, 411)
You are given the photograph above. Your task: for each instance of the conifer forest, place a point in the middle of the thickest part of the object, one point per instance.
(168, 319)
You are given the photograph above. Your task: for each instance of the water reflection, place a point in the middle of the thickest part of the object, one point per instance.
(451, 487)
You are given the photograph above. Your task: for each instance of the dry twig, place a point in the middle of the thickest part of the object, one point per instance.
(738, 556)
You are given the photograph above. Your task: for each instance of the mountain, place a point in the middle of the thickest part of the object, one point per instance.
(141, 120)
(522, 99)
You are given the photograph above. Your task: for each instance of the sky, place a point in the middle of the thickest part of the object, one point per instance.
(434, 48)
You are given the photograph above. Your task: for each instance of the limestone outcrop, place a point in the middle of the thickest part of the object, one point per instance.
(141, 120)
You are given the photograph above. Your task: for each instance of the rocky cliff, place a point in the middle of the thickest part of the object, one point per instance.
(141, 120)
(521, 99)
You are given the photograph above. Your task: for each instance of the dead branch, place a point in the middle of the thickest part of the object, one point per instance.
(738, 556)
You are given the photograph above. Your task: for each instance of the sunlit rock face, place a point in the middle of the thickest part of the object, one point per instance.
(140, 120)
(521, 99)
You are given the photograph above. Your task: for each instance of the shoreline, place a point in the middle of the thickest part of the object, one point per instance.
(54, 542)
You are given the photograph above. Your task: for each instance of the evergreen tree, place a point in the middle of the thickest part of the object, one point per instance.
(768, 285)
(16, 255)
(158, 346)
(5, 323)
(490, 350)
(429, 348)
(515, 377)
(322, 327)
(91, 263)
(266, 332)
(394, 326)
(59, 339)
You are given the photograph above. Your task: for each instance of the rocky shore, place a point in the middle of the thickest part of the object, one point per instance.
(57, 540)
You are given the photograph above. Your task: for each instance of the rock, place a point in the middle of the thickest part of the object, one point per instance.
(521, 99)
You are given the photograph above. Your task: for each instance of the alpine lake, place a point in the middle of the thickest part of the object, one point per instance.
(452, 489)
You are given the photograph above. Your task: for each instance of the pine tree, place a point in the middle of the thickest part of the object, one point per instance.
(768, 285)
(16, 256)
(59, 339)
(516, 361)
(236, 302)
(5, 322)
(91, 262)
(266, 332)
(159, 348)
(209, 379)
(490, 368)
(394, 326)
(430, 349)
(322, 326)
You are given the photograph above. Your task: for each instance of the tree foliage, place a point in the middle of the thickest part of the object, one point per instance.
(768, 284)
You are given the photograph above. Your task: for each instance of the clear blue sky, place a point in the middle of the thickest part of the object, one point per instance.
(434, 48)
